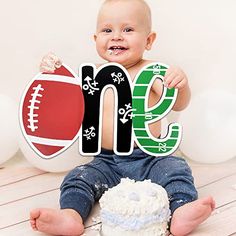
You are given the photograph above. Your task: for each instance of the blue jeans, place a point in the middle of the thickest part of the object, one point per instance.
(85, 184)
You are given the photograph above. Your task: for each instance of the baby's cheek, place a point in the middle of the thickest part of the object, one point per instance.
(140, 48)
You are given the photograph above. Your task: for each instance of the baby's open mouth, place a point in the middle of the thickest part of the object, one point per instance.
(116, 49)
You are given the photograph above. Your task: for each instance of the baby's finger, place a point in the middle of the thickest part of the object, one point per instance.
(168, 79)
(58, 64)
(180, 85)
(174, 82)
(46, 57)
(169, 71)
(55, 59)
(48, 62)
(52, 56)
(46, 69)
(46, 66)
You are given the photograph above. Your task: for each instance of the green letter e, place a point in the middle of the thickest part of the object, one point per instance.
(142, 115)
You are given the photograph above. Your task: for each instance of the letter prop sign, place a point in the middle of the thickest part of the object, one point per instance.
(54, 108)
(142, 115)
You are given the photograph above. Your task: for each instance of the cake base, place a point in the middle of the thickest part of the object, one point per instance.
(155, 230)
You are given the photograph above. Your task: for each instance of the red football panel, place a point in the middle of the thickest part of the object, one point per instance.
(60, 112)
(47, 150)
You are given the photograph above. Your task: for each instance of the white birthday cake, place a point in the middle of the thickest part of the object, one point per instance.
(135, 209)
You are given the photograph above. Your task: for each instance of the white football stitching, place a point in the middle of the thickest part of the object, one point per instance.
(33, 107)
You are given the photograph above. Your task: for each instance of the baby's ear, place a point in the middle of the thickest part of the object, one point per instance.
(95, 37)
(150, 39)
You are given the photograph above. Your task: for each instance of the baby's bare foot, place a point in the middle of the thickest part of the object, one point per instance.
(187, 217)
(66, 222)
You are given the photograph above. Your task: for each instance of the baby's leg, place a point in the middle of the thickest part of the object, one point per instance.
(79, 190)
(175, 176)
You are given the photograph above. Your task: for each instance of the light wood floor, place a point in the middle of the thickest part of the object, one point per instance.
(23, 187)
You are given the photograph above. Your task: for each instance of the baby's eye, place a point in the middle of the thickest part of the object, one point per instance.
(128, 30)
(107, 30)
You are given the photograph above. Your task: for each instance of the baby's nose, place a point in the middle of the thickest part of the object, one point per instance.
(117, 36)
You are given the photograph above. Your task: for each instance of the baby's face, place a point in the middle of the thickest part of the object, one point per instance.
(122, 32)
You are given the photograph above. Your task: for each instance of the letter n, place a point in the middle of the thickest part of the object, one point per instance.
(95, 82)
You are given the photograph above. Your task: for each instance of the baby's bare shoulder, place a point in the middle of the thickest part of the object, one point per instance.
(136, 68)
(143, 63)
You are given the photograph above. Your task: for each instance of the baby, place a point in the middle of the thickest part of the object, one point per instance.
(123, 34)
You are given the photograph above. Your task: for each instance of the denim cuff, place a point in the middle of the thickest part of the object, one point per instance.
(76, 201)
(180, 200)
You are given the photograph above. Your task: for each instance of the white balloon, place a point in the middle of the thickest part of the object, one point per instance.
(209, 127)
(65, 161)
(9, 129)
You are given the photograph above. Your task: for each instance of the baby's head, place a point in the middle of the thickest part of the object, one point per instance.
(124, 31)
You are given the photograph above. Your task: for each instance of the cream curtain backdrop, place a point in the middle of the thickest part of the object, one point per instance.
(199, 36)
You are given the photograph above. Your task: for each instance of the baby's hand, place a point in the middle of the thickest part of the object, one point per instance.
(175, 78)
(49, 63)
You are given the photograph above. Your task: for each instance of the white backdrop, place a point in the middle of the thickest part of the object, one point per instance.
(198, 36)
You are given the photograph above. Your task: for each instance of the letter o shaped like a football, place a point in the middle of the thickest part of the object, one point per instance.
(52, 111)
